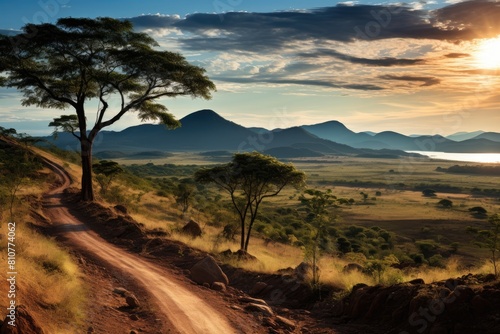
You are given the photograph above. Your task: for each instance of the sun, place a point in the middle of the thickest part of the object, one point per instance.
(488, 53)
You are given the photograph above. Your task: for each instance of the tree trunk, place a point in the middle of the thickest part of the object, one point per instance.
(86, 154)
(242, 242)
(248, 233)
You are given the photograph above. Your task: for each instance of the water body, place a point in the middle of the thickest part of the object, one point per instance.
(467, 157)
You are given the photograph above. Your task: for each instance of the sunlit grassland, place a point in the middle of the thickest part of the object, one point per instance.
(49, 281)
(394, 202)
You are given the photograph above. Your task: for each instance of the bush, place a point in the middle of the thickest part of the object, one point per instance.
(429, 193)
(445, 203)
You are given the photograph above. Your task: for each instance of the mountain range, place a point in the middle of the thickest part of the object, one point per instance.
(205, 130)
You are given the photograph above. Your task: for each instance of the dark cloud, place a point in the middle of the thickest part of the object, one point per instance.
(457, 55)
(426, 81)
(303, 82)
(264, 31)
(470, 19)
(491, 72)
(260, 31)
(154, 21)
(385, 62)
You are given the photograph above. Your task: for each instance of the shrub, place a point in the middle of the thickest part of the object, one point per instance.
(445, 203)
(429, 193)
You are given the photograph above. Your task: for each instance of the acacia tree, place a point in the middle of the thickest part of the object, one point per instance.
(249, 179)
(106, 171)
(80, 61)
(489, 238)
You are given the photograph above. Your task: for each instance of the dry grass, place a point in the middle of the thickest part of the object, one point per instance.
(48, 280)
(391, 211)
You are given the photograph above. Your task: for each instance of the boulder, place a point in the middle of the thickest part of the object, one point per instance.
(252, 300)
(208, 271)
(192, 229)
(121, 208)
(265, 310)
(304, 271)
(131, 300)
(289, 324)
(25, 323)
(218, 286)
(257, 288)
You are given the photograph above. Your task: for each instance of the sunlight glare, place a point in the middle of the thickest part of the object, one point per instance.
(488, 54)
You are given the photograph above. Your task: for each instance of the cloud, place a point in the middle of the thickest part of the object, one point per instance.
(384, 62)
(426, 81)
(154, 21)
(457, 55)
(302, 82)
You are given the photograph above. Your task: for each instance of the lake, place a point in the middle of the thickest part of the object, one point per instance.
(467, 157)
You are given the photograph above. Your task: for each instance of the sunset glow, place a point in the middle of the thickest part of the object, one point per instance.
(488, 55)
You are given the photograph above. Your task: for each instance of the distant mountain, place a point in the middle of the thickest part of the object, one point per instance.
(493, 136)
(461, 136)
(206, 131)
(371, 133)
(337, 132)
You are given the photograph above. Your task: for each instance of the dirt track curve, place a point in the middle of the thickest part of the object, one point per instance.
(185, 310)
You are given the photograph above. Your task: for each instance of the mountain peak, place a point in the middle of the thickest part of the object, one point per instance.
(204, 114)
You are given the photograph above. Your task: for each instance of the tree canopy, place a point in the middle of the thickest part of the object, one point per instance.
(250, 178)
(79, 61)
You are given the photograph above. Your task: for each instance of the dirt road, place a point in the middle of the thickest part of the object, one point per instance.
(186, 311)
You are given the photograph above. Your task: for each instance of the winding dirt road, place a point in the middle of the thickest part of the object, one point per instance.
(187, 312)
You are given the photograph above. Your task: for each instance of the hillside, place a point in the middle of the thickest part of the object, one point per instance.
(205, 130)
(463, 142)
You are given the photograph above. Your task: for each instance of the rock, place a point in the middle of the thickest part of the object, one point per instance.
(192, 229)
(350, 267)
(265, 310)
(158, 232)
(236, 307)
(226, 253)
(25, 323)
(244, 255)
(258, 287)
(288, 324)
(417, 281)
(133, 332)
(252, 300)
(218, 286)
(208, 271)
(120, 291)
(304, 272)
(480, 304)
(90, 330)
(132, 300)
(121, 208)
(134, 317)
(286, 271)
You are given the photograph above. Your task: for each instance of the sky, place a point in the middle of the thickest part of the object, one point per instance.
(421, 67)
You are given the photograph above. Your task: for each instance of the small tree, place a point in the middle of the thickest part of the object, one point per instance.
(316, 204)
(478, 211)
(16, 167)
(184, 195)
(445, 203)
(249, 179)
(106, 171)
(80, 61)
(489, 238)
